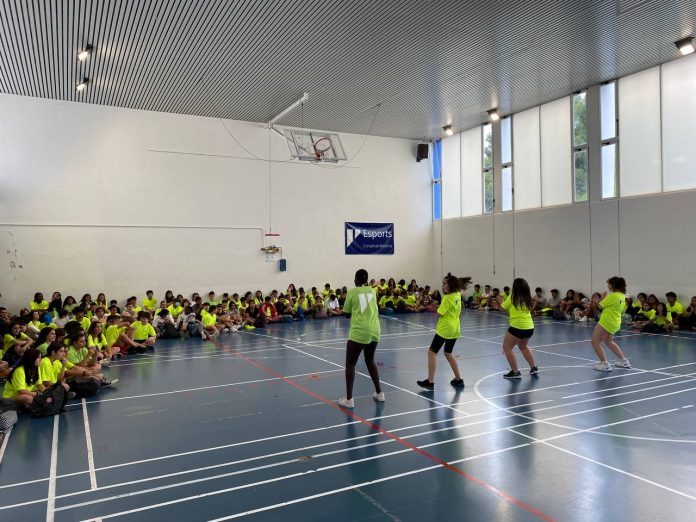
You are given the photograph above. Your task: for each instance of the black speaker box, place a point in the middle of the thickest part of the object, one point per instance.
(422, 151)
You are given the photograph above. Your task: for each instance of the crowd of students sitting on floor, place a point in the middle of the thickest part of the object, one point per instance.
(646, 312)
(70, 342)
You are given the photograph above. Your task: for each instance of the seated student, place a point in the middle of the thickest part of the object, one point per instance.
(142, 333)
(282, 305)
(472, 301)
(11, 358)
(402, 284)
(134, 301)
(483, 298)
(169, 297)
(224, 322)
(635, 305)
(269, 310)
(86, 301)
(318, 308)
(34, 325)
(175, 309)
(538, 301)
(580, 303)
(150, 303)
(15, 337)
(554, 302)
(56, 303)
(411, 302)
(688, 320)
(70, 304)
(209, 320)
(659, 320)
(340, 296)
(97, 339)
(52, 368)
(426, 302)
(211, 299)
(45, 338)
(188, 322)
(593, 310)
(386, 303)
(567, 302)
(101, 301)
(100, 315)
(495, 300)
(644, 316)
(327, 290)
(80, 355)
(652, 301)
(333, 308)
(674, 307)
(81, 318)
(164, 325)
(23, 381)
(129, 314)
(114, 309)
(116, 336)
(382, 286)
(252, 317)
(39, 303)
(301, 306)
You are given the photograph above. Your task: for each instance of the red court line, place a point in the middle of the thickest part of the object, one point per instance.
(444, 464)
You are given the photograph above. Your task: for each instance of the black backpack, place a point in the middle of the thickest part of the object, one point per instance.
(168, 331)
(84, 387)
(49, 402)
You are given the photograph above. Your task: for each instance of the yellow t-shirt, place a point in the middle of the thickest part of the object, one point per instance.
(18, 382)
(49, 372)
(448, 326)
(112, 332)
(150, 304)
(175, 310)
(649, 314)
(85, 322)
(520, 318)
(8, 340)
(43, 305)
(384, 300)
(410, 300)
(660, 321)
(301, 303)
(99, 342)
(612, 308)
(208, 319)
(143, 331)
(677, 308)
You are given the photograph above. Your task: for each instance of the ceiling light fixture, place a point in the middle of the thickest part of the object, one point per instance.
(448, 130)
(685, 45)
(493, 115)
(84, 54)
(81, 86)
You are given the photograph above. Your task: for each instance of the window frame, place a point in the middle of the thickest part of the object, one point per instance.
(574, 148)
(487, 170)
(611, 141)
(506, 165)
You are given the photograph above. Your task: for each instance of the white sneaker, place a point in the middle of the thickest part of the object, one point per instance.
(346, 403)
(582, 320)
(602, 367)
(379, 397)
(622, 363)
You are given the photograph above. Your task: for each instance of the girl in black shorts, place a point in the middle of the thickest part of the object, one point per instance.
(519, 305)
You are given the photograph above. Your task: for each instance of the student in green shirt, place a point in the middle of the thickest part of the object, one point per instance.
(447, 330)
(23, 382)
(519, 307)
(363, 336)
(609, 323)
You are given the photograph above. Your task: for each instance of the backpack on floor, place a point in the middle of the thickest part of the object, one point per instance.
(49, 402)
(84, 387)
(168, 331)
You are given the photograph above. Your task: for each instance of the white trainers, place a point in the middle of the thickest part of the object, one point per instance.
(582, 320)
(346, 403)
(622, 363)
(379, 397)
(602, 367)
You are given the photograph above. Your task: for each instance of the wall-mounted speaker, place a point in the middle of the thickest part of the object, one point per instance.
(422, 151)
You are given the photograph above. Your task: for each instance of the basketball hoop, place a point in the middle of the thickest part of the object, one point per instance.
(321, 146)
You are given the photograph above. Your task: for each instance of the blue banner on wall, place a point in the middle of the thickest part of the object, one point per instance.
(369, 238)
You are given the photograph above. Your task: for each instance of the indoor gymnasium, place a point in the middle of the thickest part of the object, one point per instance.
(325, 260)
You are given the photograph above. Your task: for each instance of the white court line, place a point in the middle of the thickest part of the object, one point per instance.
(205, 387)
(448, 406)
(90, 452)
(626, 386)
(5, 440)
(51, 504)
(613, 468)
(324, 468)
(456, 426)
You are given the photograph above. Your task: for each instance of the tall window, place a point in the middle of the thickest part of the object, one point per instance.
(487, 142)
(436, 178)
(506, 154)
(580, 153)
(609, 137)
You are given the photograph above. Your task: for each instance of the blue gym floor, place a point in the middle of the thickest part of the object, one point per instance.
(249, 429)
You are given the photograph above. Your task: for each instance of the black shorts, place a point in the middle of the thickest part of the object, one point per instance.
(438, 341)
(521, 334)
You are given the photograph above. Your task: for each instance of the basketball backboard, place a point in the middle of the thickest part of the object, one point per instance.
(318, 146)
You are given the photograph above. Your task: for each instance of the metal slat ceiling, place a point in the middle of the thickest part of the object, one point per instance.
(404, 67)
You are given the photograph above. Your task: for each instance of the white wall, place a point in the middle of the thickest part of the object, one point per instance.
(76, 164)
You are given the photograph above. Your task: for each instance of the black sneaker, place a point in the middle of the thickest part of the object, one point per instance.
(534, 370)
(457, 383)
(425, 383)
(512, 375)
